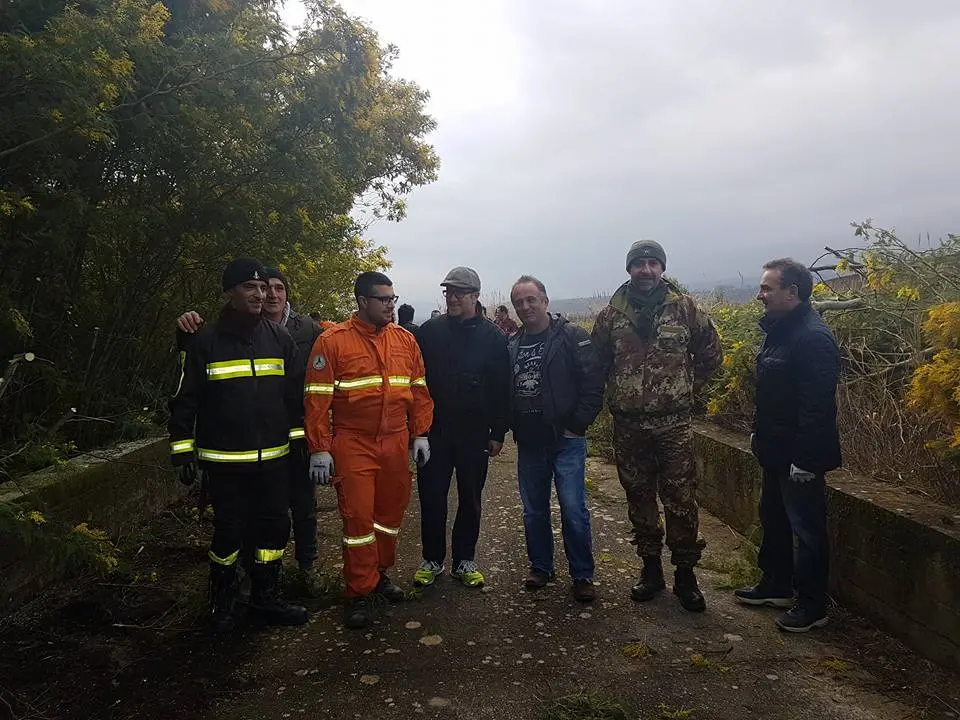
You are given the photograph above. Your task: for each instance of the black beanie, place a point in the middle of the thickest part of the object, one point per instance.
(241, 270)
(273, 272)
(647, 249)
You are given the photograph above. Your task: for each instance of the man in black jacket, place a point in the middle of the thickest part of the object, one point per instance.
(468, 376)
(557, 392)
(796, 441)
(303, 491)
(234, 407)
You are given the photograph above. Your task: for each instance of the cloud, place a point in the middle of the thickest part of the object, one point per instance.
(731, 132)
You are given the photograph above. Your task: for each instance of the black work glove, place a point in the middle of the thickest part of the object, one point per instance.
(188, 473)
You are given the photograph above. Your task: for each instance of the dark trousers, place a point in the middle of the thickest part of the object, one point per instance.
(303, 506)
(467, 454)
(789, 509)
(249, 507)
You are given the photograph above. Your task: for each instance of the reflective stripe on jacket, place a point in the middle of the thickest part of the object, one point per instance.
(373, 381)
(238, 397)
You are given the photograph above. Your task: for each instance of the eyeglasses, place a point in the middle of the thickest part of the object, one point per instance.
(385, 299)
(458, 293)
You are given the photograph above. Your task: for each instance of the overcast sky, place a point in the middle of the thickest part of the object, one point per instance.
(730, 132)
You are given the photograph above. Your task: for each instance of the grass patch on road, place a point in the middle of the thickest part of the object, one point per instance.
(740, 566)
(671, 713)
(585, 706)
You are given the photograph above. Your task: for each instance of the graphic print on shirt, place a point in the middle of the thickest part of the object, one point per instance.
(527, 375)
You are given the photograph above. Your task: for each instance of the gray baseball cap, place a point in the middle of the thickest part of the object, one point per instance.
(463, 278)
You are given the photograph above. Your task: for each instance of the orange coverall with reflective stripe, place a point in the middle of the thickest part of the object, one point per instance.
(374, 383)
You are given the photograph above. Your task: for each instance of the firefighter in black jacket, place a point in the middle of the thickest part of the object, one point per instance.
(303, 490)
(235, 404)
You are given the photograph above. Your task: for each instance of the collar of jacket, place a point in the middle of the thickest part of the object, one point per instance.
(620, 300)
(468, 323)
(365, 328)
(237, 323)
(287, 314)
(779, 325)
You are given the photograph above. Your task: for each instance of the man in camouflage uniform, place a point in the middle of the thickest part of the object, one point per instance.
(657, 350)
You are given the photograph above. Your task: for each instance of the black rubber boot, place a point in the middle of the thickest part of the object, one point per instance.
(266, 604)
(360, 612)
(391, 591)
(223, 597)
(651, 579)
(685, 587)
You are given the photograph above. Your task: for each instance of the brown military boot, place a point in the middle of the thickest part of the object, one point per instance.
(651, 580)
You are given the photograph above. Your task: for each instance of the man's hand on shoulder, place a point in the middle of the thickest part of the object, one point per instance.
(190, 322)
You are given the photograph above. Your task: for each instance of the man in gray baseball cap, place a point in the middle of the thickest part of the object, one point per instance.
(468, 374)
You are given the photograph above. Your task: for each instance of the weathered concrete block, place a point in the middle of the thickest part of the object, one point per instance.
(729, 478)
(114, 490)
(895, 557)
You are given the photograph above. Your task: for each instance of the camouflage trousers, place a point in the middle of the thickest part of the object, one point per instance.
(652, 461)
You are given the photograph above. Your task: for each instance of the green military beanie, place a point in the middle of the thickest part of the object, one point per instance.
(647, 249)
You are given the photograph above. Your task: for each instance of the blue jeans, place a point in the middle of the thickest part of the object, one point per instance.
(565, 464)
(791, 509)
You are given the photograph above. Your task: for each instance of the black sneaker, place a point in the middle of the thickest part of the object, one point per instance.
(764, 595)
(393, 593)
(802, 618)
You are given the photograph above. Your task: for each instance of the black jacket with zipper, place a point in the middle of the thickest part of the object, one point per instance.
(795, 421)
(572, 381)
(468, 375)
(238, 393)
(304, 332)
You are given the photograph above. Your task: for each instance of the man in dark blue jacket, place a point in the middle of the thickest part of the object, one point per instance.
(795, 439)
(557, 392)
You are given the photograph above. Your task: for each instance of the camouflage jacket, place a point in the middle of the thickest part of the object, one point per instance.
(656, 380)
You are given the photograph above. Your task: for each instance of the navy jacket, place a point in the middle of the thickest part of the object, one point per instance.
(798, 367)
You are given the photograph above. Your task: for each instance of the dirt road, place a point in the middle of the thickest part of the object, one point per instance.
(131, 649)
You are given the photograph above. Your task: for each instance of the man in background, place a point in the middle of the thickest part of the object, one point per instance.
(503, 321)
(405, 317)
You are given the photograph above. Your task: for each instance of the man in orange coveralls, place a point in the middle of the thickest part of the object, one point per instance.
(369, 372)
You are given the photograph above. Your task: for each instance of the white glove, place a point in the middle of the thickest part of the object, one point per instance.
(321, 467)
(800, 476)
(421, 451)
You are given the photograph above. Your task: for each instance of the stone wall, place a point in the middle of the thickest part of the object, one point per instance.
(114, 490)
(895, 557)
